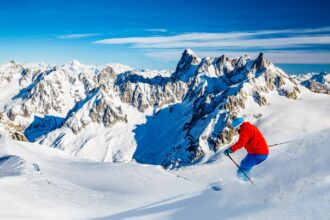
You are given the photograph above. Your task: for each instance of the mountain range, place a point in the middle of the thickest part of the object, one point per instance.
(114, 113)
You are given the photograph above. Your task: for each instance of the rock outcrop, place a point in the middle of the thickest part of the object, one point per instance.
(11, 129)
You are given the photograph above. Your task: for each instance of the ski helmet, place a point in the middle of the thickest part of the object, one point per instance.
(237, 122)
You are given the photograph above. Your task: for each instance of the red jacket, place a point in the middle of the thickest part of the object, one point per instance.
(251, 138)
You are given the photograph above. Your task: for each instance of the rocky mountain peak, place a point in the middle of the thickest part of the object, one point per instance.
(223, 59)
(74, 63)
(106, 75)
(13, 62)
(260, 62)
(187, 52)
(187, 62)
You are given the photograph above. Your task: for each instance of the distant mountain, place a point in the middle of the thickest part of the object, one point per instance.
(114, 113)
(316, 82)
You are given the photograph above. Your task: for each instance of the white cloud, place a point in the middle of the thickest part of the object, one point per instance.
(161, 30)
(76, 36)
(281, 46)
(267, 39)
(283, 56)
(274, 43)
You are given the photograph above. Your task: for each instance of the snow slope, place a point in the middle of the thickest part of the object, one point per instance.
(79, 189)
(293, 183)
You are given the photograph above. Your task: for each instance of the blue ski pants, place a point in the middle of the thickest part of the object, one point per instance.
(249, 162)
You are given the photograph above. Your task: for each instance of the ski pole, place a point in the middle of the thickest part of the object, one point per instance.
(240, 169)
(272, 145)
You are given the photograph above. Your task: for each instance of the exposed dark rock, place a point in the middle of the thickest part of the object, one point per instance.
(11, 129)
(188, 59)
(260, 62)
(103, 112)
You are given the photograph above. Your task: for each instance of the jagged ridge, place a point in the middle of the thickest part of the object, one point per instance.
(171, 120)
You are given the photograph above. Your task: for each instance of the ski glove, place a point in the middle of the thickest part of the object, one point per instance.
(227, 152)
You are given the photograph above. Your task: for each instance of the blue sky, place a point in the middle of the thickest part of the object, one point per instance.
(153, 34)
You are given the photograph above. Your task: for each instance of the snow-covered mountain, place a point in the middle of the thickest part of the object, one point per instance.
(293, 183)
(115, 113)
(316, 82)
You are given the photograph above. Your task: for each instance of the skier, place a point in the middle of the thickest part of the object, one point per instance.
(251, 138)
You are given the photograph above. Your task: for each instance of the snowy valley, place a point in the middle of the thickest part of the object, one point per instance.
(111, 142)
